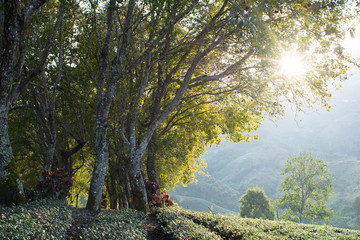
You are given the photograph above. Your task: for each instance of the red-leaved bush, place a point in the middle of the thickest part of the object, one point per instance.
(54, 184)
(156, 197)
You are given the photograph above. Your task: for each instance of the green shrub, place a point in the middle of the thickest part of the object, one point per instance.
(179, 227)
(124, 224)
(42, 219)
(234, 227)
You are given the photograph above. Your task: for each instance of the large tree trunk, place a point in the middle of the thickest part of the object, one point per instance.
(111, 186)
(45, 118)
(5, 147)
(151, 160)
(10, 41)
(104, 99)
(101, 162)
(138, 190)
(50, 151)
(125, 195)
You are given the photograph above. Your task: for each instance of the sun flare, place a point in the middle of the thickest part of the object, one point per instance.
(292, 65)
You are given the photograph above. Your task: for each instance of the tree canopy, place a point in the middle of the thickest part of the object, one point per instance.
(306, 188)
(144, 86)
(255, 204)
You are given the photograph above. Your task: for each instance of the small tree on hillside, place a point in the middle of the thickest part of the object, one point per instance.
(255, 204)
(306, 187)
(356, 208)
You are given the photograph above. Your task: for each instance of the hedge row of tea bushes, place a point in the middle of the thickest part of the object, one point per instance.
(176, 225)
(120, 224)
(43, 219)
(50, 219)
(233, 227)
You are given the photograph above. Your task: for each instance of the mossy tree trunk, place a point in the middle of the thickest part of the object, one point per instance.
(5, 147)
(10, 42)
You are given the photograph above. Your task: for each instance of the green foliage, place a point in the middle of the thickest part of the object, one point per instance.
(50, 219)
(42, 219)
(356, 206)
(11, 189)
(54, 184)
(121, 224)
(356, 212)
(179, 227)
(306, 187)
(234, 227)
(255, 204)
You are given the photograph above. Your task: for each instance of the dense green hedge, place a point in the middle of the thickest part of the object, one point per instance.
(121, 224)
(43, 219)
(180, 227)
(50, 219)
(234, 227)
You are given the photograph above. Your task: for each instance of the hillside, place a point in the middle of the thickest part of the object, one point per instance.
(333, 136)
(53, 219)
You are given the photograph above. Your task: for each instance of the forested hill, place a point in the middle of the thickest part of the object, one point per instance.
(333, 136)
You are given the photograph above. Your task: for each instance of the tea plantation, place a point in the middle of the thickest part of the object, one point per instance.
(50, 219)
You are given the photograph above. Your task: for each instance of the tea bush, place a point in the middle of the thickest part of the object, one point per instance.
(51, 218)
(234, 227)
(42, 219)
(182, 228)
(124, 224)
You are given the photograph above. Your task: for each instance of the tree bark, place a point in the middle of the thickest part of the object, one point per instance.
(111, 187)
(50, 151)
(151, 160)
(138, 190)
(101, 162)
(125, 196)
(10, 42)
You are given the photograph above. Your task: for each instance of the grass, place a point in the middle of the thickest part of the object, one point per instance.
(50, 219)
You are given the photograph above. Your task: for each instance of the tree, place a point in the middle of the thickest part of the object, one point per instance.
(15, 20)
(306, 187)
(356, 206)
(16, 70)
(255, 204)
(356, 209)
(179, 72)
(191, 48)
